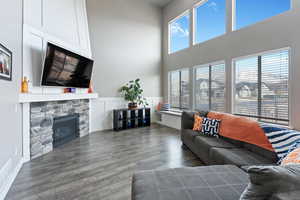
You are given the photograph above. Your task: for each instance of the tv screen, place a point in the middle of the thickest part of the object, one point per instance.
(63, 68)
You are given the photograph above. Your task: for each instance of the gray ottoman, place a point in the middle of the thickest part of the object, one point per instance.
(226, 182)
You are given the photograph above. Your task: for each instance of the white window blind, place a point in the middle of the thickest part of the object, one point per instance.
(180, 89)
(185, 89)
(210, 87)
(175, 89)
(261, 87)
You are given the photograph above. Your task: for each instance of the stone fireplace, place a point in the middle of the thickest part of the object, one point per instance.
(55, 123)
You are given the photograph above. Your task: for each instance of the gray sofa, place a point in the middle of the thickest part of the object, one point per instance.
(225, 180)
(222, 151)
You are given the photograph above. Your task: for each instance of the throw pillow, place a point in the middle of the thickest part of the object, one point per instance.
(197, 123)
(272, 182)
(292, 158)
(282, 139)
(211, 127)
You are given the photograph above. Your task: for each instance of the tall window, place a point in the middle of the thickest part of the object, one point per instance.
(210, 87)
(251, 12)
(179, 34)
(261, 87)
(210, 20)
(179, 89)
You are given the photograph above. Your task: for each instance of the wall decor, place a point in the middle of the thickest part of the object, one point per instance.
(5, 63)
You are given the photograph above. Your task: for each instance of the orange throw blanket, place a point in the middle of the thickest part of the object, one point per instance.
(242, 129)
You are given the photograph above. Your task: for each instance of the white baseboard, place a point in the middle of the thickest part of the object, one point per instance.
(7, 177)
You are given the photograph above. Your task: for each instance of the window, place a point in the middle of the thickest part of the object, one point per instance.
(261, 87)
(179, 34)
(251, 12)
(210, 87)
(210, 20)
(180, 89)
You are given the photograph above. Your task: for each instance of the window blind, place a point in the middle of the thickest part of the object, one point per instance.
(210, 88)
(274, 87)
(218, 88)
(185, 89)
(180, 89)
(202, 88)
(261, 87)
(175, 89)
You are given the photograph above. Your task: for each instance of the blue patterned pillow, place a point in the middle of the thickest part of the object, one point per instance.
(211, 127)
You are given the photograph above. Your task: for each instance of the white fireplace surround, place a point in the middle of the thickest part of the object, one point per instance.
(26, 99)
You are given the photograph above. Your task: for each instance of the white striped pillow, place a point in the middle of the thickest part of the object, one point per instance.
(281, 138)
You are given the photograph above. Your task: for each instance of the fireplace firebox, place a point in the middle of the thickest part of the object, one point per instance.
(65, 129)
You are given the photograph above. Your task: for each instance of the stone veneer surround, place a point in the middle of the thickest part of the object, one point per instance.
(42, 115)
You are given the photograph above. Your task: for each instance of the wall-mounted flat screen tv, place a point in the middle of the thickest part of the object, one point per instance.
(63, 68)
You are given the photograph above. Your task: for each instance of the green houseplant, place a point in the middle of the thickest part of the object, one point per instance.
(133, 93)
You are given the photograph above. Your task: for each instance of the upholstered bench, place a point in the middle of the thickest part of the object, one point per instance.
(226, 182)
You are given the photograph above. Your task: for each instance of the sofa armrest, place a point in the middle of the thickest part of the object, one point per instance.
(187, 120)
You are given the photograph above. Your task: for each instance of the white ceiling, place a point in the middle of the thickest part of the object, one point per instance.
(160, 3)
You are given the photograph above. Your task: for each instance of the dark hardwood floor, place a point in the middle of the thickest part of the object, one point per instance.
(100, 166)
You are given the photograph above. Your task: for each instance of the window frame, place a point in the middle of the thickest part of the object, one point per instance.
(194, 81)
(233, 89)
(188, 13)
(180, 89)
(194, 22)
(234, 17)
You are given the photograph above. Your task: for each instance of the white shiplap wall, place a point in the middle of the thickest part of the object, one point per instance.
(64, 23)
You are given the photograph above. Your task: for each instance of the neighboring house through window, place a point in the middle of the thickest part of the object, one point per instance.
(209, 87)
(261, 87)
(179, 89)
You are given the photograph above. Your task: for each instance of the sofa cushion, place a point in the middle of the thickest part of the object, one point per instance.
(202, 183)
(203, 144)
(234, 142)
(273, 182)
(189, 134)
(210, 142)
(238, 157)
(262, 152)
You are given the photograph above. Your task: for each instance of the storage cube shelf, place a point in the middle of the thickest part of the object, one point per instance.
(127, 119)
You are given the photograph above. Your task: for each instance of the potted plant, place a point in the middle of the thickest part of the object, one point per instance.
(133, 93)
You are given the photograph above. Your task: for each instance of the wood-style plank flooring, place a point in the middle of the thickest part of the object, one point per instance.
(100, 166)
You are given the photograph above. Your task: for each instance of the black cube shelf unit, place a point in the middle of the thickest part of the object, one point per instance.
(127, 119)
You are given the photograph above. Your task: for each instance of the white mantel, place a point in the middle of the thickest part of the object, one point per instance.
(28, 98)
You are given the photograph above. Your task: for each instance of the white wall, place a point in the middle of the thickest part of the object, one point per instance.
(275, 33)
(10, 112)
(126, 43)
(60, 22)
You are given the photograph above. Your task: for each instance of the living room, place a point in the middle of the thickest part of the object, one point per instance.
(150, 99)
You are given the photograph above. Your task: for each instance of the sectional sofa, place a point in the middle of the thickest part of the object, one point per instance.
(223, 178)
(222, 151)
